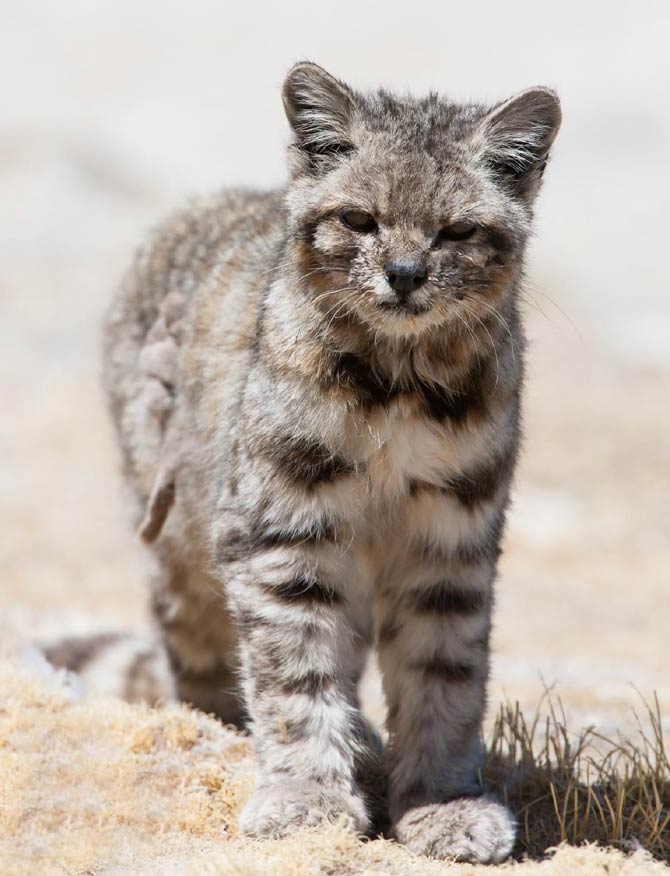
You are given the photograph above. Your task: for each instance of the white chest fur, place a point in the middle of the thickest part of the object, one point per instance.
(400, 447)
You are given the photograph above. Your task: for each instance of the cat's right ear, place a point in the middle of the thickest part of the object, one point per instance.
(319, 109)
(516, 136)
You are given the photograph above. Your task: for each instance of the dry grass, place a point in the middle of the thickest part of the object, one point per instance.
(584, 787)
(100, 786)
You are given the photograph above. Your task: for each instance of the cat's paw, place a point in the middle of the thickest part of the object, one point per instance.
(475, 829)
(280, 807)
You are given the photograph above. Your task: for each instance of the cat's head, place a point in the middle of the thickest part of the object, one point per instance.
(411, 213)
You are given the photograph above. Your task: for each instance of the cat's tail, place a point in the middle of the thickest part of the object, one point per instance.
(132, 667)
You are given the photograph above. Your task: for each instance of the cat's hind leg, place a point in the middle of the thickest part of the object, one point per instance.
(199, 638)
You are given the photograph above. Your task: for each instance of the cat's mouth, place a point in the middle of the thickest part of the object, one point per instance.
(405, 308)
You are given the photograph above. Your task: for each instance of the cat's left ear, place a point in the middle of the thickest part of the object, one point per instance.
(514, 139)
(319, 109)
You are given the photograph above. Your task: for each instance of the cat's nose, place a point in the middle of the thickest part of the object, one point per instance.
(405, 276)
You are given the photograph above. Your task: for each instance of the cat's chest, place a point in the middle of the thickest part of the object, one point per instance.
(401, 448)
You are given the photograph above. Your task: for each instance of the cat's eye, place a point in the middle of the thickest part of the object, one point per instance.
(358, 220)
(458, 230)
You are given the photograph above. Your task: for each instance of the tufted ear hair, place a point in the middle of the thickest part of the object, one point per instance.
(516, 136)
(319, 109)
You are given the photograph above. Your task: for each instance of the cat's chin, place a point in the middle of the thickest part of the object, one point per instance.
(400, 323)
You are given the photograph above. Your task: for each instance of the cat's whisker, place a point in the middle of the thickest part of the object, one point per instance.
(493, 345)
(503, 322)
(529, 288)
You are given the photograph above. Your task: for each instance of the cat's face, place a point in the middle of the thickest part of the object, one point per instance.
(410, 214)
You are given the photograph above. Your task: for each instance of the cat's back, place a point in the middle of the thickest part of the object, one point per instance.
(231, 235)
(181, 252)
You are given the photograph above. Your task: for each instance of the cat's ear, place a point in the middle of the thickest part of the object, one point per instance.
(319, 109)
(515, 138)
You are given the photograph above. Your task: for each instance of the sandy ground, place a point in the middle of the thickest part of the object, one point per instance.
(113, 111)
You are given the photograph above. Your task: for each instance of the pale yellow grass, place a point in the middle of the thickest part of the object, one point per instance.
(98, 786)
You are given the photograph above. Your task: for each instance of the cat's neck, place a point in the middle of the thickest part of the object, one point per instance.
(302, 334)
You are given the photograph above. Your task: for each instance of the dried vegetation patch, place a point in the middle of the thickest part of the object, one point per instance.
(99, 786)
(584, 787)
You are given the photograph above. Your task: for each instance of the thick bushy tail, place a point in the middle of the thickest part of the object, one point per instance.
(135, 668)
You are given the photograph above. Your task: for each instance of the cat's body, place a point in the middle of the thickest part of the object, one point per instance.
(317, 397)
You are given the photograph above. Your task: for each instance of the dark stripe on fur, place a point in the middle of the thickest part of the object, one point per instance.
(76, 653)
(236, 544)
(472, 554)
(311, 684)
(482, 482)
(371, 389)
(304, 461)
(485, 549)
(354, 373)
(303, 590)
(446, 670)
(445, 597)
(456, 404)
(263, 633)
(440, 404)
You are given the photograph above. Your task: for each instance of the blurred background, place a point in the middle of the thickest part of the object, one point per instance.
(113, 112)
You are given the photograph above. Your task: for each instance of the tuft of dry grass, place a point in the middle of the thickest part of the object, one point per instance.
(584, 787)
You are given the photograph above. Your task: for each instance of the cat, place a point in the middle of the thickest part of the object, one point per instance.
(317, 397)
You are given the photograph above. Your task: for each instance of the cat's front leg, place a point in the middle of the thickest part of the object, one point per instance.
(299, 668)
(433, 648)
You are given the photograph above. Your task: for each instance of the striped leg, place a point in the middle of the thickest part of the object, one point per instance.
(300, 661)
(433, 646)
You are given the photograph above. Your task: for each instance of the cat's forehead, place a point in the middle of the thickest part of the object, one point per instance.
(412, 159)
(419, 186)
(432, 123)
